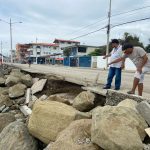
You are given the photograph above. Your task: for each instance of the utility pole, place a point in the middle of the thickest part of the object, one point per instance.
(108, 32)
(11, 41)
(1, 52)
(10, 26)
(36, 50)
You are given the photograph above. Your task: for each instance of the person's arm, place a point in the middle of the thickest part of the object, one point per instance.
(116, 60)
(107, 56)
(139, 68)
(123, 63)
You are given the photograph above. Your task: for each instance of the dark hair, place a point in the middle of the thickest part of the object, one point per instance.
(115, 41)
(126, 46)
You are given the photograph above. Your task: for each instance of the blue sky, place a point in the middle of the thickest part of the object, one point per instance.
(50, 19)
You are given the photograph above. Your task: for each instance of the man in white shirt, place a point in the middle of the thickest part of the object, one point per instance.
(142, 62)
(115, 68)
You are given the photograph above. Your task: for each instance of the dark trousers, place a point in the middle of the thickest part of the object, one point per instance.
(114, 72)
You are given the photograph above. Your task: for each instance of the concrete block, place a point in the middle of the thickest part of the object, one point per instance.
(2, 108)
(25, 110)
(28, 96)
(144, 109)
(113, 97)
(147, 130)
(5, 110)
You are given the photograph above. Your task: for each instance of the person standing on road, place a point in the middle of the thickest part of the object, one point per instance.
(116, 68)
(29, 62)
(142, 62)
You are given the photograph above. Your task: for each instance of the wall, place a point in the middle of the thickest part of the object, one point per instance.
(101, 63)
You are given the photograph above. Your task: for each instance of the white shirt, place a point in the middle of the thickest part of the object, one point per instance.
(115, 54)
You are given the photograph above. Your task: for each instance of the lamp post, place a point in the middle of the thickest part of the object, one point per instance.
(10, 25)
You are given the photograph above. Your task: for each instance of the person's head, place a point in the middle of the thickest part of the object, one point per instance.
(127, 48)
(114, 43)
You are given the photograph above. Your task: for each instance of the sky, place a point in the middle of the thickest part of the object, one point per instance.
(68, 19)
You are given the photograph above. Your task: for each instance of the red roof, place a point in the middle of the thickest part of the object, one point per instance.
(46, 44)
(61, 40)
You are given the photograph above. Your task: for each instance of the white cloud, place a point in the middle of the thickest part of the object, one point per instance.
(49, 19)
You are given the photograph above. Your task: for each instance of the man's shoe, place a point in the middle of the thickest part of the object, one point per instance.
(106, 87)
(117, 89)
(130, 92)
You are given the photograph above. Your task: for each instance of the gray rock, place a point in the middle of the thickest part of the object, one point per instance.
(5, 100)
(144, 109)
(16, 137)
(77, 136)
(118, 128)
(2, 81)
(113, 97)
(84, 101)
(6, 119)
(12, 80)
(27, 80)
(17, 90)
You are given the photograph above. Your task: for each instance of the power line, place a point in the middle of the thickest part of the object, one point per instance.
(89, 33)
(103, 19)
(130, 22)
(130, 11)
(111, 27)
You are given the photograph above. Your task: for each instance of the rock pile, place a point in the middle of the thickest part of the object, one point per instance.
(30, 120)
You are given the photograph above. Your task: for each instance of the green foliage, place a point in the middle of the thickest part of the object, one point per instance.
(98, 52)
(132, 39)
(67, 52)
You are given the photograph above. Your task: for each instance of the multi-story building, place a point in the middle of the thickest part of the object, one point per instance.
(39, 51)
(64, 43)
(80, 50)
(21, 52)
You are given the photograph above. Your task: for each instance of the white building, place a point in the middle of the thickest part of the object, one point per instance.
(64, 43)
(41, 50)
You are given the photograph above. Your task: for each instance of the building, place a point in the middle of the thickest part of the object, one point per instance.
(80, 50)
(78, 55)
(21, 52)
(42, 51)
(64, 43)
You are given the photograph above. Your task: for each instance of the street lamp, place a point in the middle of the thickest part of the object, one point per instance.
(10, 24)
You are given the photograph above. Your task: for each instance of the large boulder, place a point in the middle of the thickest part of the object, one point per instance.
(84, 101)
(27, 80)
(12, 80)
(2, 81)
(118, 128)
(17, 90)
(48, 118)
(58, 99)
(6, 119)
(16, 137)
(16, 73)
(77, 136)
(128, 103)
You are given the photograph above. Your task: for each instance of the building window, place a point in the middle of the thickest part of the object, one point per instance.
(38, 53)
(82, 49)
(38, 47)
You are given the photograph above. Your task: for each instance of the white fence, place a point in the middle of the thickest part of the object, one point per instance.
(101, 63)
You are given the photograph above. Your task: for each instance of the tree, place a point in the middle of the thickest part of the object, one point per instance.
(98, 52)
(67, 52)
(132, 39)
